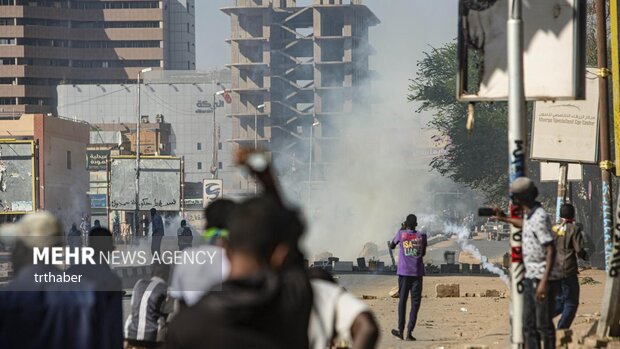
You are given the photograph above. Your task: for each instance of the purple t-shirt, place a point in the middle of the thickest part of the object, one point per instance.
(412, 249)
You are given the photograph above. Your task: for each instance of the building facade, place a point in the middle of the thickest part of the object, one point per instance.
(60, 181)
(308, 66)
(46, 43)
(185, 102)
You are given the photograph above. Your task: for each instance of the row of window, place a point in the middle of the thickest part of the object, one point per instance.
(115, 64)
(219, 165)
(79, 63)
(199, 146)
(80, 44)
(116, 44)
(52, 82)
(101, 5)
(25, 100)
(78, 24)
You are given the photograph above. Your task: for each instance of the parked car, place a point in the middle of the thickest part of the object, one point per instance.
(496, 230)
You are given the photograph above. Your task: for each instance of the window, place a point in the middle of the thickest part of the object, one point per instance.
(199, 166)
(220, 165)
(188, 27)
(68, 159)
(188, 47)
(199, 146)
(219, 146)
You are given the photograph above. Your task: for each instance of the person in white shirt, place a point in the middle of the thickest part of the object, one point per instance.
(338, 317)
(190, 282)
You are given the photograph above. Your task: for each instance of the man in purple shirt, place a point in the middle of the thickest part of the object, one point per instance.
(410, 272)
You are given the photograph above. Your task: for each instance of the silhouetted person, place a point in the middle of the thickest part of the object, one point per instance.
(262, 304)
(157, 225)
(45, 314)
(108, 287)
(74, 237)
(184, 234)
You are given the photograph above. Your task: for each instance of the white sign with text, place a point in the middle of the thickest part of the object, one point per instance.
(567, 131)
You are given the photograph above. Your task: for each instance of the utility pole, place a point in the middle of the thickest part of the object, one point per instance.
(609, 323)
(516, 149)
(562, 180)
(136, 219)
(603, 114)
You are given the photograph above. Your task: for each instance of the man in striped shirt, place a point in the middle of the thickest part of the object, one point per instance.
(143, 328)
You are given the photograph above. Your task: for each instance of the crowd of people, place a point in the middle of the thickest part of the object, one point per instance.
(264, 296)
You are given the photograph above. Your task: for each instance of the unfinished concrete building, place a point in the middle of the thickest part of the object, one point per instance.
(299, 68)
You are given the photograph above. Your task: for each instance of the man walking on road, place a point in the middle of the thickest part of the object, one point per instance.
(158, 232)
(410, 272)
(569, 245)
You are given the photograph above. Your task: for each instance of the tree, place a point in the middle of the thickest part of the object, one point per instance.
(478, 160)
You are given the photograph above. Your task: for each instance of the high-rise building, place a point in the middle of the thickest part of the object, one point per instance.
(308, 66)
(45, 43)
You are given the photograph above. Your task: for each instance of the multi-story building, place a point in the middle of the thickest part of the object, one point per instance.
(308, 66)
(181, 105)
(45, 43)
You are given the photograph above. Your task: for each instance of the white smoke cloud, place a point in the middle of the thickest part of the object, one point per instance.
(462, 234)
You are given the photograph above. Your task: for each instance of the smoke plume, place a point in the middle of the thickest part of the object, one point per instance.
(462, 234)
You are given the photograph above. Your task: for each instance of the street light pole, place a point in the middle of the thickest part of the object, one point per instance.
(214, 158)
(137, 184)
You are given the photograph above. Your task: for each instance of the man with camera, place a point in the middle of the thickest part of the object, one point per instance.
(539, 259)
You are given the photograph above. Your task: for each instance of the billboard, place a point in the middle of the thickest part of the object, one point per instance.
(17, 176)
(97, 160)
(160, 183)
(554, 49)
(212, 189)
(567, 131)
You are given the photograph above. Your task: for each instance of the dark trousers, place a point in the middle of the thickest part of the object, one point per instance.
(156, 244)
(567, 301)
(538, 315)
(409, 285)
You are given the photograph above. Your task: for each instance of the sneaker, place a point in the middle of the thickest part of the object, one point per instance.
(410, 337)
(398, 334)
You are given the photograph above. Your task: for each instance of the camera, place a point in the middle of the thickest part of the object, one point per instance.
(486, 212)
